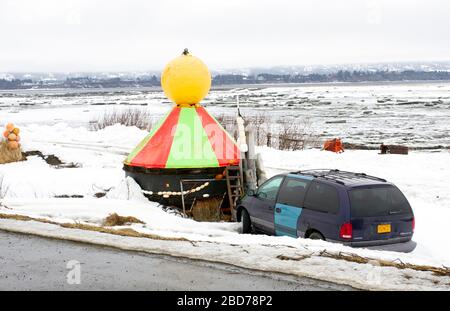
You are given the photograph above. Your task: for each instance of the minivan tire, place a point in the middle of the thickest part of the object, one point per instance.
(246, 223)
(316, 236)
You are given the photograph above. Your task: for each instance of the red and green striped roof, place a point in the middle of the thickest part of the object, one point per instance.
(187, 137)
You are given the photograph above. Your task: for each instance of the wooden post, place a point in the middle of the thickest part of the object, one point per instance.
(250, 173)
(182, 198)
(269, 140)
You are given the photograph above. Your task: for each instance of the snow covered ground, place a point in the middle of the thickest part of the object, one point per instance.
(31, 187)
(34, 188)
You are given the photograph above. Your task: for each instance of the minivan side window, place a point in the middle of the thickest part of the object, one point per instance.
(293, 191)
(322, 197)
(269, 189)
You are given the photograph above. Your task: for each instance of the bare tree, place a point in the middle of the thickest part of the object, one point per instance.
(291, 134)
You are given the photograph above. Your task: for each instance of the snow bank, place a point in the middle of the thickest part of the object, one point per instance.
(99, 154)
(34, 178)
(106, 148)
(127, 189)
(94, 211)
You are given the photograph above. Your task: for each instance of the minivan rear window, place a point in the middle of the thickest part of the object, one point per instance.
(378, 201)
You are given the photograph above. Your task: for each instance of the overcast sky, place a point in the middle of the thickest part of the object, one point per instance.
(139, 35)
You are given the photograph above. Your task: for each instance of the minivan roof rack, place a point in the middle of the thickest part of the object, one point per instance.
(339, 176)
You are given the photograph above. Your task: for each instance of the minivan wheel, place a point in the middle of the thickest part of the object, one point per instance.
(316, 236)
(246, 223)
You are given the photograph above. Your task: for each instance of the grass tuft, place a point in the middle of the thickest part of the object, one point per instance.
(129, 117)
(438, 271)
(116, 220)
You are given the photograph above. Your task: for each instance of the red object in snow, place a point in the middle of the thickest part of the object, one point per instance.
(334, 145)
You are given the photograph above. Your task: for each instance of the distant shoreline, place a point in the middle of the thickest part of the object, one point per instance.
(268, 85)
(220, 87)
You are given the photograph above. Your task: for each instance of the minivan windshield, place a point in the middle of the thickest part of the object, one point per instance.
(378, 201)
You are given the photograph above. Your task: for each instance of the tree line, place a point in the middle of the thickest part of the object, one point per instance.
(233, 79)
(339, 76)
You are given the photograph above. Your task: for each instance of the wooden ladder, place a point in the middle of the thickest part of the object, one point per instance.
(234, 178)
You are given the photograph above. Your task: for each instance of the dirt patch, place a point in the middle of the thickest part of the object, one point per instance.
(122, 232)
(283, 257)
(50, 159)
(65, 196)
(116, 220)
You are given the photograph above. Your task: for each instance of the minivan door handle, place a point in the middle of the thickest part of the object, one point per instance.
(278, 210)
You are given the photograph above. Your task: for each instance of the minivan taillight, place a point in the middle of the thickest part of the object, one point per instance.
(413, 224)
(346, 231)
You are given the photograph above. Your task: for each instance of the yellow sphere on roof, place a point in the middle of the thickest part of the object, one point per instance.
(186, 80)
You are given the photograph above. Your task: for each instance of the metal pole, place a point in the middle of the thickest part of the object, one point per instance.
(182, 198)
